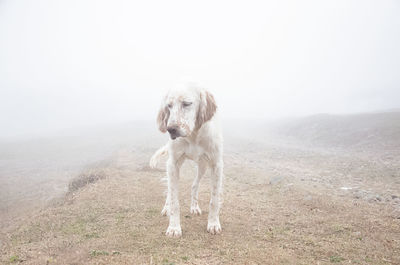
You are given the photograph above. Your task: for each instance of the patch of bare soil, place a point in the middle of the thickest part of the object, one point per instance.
(281, 206)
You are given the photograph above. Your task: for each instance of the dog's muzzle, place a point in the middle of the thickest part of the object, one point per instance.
(173, 132)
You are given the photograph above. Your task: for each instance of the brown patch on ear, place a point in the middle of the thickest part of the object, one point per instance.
(207, 108)
(162, 119)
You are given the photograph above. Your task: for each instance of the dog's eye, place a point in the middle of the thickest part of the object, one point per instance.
(186, 104)
(169, 106)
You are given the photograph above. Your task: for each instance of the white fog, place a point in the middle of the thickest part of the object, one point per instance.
(78, 63)
(308, 94)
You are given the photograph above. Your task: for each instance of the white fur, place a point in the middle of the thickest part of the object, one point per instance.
(201, 143)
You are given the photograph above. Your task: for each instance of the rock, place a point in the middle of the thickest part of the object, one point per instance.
(308, 198)
(276, 179)
(395, 214)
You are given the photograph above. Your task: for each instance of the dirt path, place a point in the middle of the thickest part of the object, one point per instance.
(281, 206)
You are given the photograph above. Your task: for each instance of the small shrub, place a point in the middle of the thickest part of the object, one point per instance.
(334, 259)
(83, 180)
(95, 253)
(14, 259)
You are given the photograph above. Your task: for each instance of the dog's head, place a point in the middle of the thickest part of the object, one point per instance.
(185, 110)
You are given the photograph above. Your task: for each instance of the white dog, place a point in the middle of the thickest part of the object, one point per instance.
(189, 114)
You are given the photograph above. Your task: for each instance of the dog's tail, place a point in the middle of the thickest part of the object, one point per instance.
(157, 156)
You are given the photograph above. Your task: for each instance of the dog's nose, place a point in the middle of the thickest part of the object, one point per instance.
(172, 130)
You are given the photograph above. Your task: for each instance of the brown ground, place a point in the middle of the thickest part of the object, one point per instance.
(283, 204)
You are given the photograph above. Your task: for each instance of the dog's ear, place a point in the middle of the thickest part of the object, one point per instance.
(162, 119)
(207, 108)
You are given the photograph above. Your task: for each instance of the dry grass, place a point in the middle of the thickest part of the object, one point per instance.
(117, 220)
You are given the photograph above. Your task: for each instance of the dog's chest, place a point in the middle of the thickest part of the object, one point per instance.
(193, 152)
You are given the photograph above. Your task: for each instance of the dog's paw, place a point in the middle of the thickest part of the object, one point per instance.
(165, 211)
(214, 228)
(195, 210)
(174, 231)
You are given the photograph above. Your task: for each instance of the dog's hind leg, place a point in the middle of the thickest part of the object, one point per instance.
(214, 226)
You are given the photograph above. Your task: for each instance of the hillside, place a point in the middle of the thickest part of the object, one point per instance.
(367, 131)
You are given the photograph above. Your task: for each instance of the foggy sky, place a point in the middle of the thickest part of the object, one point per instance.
(78, 63)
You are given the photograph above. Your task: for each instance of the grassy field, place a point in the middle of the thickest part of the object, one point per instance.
(266, 219)
(283, 204)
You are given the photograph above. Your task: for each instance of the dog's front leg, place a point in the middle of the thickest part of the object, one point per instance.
(201, 170)
(174, 228)
(214, 226)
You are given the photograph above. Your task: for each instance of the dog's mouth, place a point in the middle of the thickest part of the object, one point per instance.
(173, 136)
(176, 135)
